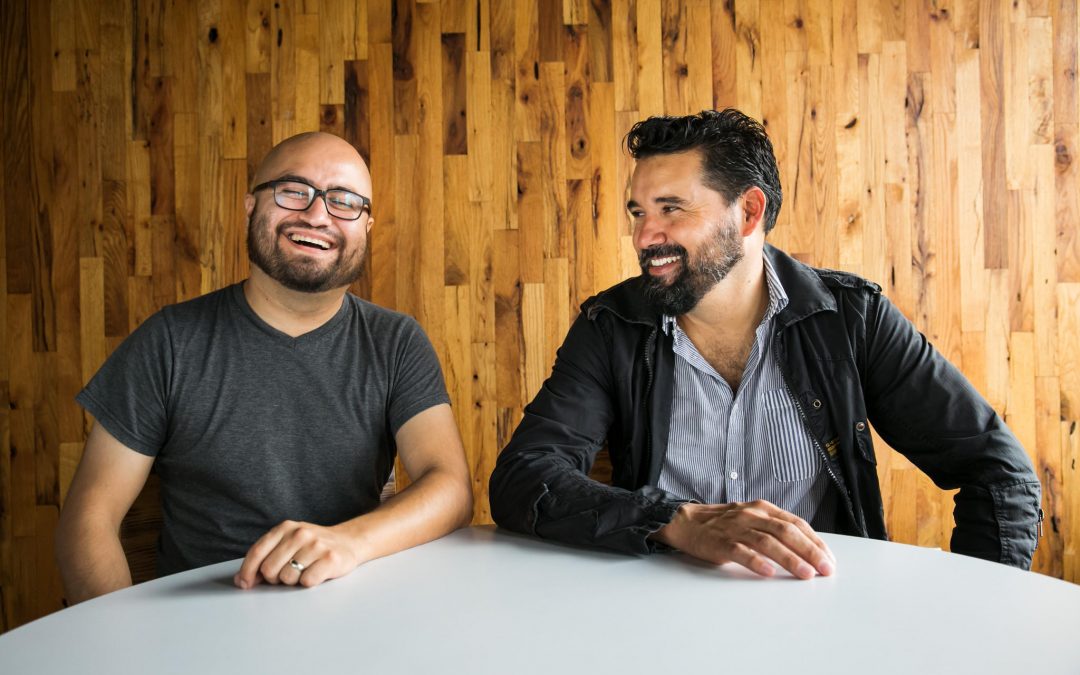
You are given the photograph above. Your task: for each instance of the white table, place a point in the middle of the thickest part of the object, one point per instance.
(484, 601)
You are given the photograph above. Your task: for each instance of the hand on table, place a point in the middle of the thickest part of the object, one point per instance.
(322, 553)
(752, 534)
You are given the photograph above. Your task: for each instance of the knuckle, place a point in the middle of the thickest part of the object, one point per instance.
(267, 571)
(758, 538)
(785, 529)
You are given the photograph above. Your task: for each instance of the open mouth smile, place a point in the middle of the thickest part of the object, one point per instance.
(660, 262)
(309, 241)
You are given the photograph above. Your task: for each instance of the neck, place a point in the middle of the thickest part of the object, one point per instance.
(736, 304)
(291, 312)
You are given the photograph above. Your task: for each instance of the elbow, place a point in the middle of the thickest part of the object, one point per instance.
(465, 510)
(62, 537)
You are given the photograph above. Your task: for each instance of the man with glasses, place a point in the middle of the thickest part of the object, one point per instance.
(272, 409)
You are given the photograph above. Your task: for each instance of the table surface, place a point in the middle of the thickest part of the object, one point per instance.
(486, 601)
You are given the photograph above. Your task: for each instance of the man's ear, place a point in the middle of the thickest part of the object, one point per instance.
(249, 204)
(754, 202)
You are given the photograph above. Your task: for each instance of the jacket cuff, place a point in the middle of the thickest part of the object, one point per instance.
(659, 516)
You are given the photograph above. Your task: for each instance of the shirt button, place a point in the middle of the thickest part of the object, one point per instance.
(816, 403)
(860, 426)
(734, 475)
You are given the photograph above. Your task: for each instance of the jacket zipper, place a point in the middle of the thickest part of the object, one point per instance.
(813, 438)
(649, 345)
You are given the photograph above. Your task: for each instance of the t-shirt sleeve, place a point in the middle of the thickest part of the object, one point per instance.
(128, 394)
(417, 382)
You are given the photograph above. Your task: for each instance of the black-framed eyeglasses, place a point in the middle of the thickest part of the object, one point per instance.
(295, 195)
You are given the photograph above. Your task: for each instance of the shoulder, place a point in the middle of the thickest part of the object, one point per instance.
(383, 328)
(199, 308)
(377, 315)
(797, 274)
(841, 281)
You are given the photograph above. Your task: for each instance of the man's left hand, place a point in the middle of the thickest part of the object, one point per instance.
(319, 553)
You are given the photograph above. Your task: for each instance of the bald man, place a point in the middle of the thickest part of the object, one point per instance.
(272, 409)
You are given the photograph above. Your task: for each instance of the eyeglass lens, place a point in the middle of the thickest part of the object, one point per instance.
(298, 197)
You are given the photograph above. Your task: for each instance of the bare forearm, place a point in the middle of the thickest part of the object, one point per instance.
(436, 504)
(91, 561)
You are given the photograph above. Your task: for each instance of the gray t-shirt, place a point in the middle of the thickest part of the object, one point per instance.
(249, 426)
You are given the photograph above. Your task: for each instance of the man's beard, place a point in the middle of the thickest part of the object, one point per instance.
(697, 275)
(300, 274)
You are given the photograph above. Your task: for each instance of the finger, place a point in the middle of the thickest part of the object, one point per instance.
(316, 573)
(763, 543)
(284, 550)
(809, 546)
(249, 574)
(751, 560)
(276, 568)
(809, 532)
(290, 574)
(804, 554)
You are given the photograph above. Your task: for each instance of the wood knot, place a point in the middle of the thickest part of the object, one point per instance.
(403, 69)
(1062, 158)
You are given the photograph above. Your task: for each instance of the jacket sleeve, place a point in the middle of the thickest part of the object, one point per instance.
(926, 409)
(541, 486)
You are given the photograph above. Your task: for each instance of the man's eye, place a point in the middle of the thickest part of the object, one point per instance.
(669, 208)
(294, 194)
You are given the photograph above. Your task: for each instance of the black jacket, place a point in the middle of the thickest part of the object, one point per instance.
(848, 356)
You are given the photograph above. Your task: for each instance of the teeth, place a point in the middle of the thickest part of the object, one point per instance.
(659, 262)
(308, 240)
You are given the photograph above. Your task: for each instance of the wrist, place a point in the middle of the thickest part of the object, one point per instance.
(671, 533)
(354, 536)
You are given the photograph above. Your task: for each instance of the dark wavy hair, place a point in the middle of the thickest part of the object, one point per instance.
(737, 152)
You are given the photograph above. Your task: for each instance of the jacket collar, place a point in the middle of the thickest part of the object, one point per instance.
(807, 294)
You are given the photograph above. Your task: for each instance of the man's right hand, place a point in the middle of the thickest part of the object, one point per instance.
(753, 534)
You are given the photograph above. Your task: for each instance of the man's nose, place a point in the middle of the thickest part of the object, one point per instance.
(649, 231)
(317, 214)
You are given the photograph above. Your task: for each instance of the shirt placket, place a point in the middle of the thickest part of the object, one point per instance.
(734, 457)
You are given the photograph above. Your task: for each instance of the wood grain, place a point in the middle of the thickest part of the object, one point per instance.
(933, 147)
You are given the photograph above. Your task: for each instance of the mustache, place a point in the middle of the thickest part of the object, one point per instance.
(660, 251)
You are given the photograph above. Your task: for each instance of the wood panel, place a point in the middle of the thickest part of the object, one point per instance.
(930, 146)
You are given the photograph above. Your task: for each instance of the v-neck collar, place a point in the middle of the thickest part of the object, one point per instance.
(236, 292)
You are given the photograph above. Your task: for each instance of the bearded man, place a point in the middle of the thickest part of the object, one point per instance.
(734, 388)
(272, 409)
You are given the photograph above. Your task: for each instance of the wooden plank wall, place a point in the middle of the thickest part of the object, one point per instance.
(931, 146)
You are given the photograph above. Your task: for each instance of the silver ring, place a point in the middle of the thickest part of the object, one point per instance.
(297, 565)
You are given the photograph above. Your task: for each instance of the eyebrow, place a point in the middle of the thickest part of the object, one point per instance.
(667, 199)
(295, 178)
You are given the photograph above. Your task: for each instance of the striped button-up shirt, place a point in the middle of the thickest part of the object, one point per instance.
(726, 446)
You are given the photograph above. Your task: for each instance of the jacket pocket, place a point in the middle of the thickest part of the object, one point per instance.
(791, 451)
